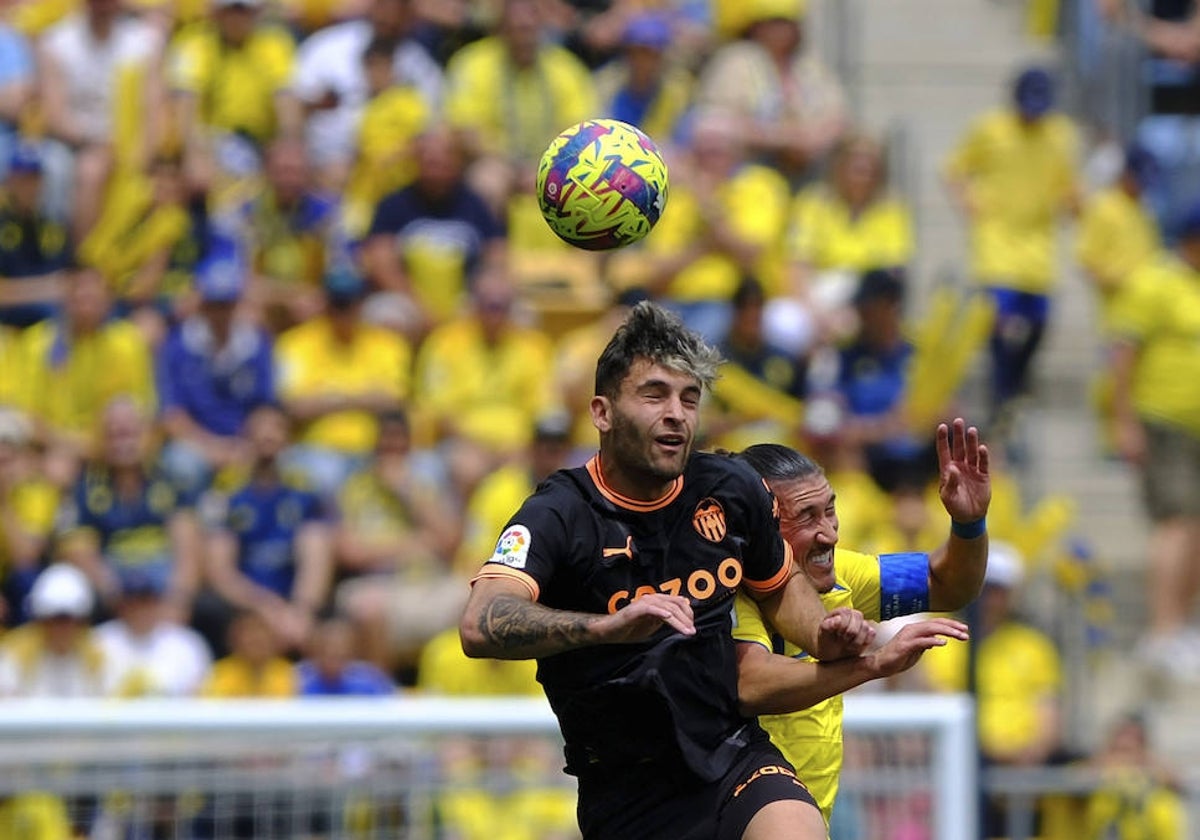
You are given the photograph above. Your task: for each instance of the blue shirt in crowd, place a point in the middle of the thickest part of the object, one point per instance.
(357, 678)
(266, 521)
(216, 387)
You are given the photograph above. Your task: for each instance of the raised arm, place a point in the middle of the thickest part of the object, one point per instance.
(502, 621)
(957, 567)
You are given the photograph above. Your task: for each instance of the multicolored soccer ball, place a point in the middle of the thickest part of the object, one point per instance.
(602, 184)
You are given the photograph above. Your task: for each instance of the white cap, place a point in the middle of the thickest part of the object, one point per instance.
(1005, 566)
(61, 590)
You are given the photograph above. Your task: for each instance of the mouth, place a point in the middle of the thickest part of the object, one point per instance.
(671, 443)
(822, 560)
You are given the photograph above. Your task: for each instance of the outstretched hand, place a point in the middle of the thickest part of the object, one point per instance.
(964, 484)
(905, 649)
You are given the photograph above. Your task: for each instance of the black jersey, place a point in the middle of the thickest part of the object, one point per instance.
(579, 545)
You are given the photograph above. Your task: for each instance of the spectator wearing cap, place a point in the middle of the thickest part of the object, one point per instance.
(28, 502)
(787, 105)
(334, 375)
(510, 93)
(34, 247)
(271, 552)
(1117, 231)
(1018, 678)
(214, 368)
(84, 60)
(124, 513)
(1156, 402)
(642, 86)
(872, 379)
(79, 362)
(1014, 177)
(331, 81)
(231, 77)
(431, 240)
(146, 653)
(55, 655)
(289, 231)
(396, 532)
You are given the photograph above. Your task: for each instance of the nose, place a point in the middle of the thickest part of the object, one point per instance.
(673, 410)
(828, 532)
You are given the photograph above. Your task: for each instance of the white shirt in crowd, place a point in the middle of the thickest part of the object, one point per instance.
(169, 661)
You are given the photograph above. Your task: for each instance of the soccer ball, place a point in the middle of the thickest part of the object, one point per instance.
(602, 184)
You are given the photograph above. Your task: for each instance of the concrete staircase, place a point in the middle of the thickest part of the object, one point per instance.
(920, 71)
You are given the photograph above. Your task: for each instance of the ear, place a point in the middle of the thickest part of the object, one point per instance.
(601, 408)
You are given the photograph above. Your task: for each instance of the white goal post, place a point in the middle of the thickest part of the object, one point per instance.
(43, 743)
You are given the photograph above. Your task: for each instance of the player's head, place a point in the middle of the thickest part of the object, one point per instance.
(807, 516)
(649, 381)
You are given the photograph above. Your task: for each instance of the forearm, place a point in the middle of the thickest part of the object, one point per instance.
(796, 612)
(311, 589)
(1124, 360)
(43, 288)
(956, 572)
(13, 98)
(508, 627)
(780, 685)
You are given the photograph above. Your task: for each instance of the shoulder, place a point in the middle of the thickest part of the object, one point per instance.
(476, 55)
(737, 478)
(344, 38)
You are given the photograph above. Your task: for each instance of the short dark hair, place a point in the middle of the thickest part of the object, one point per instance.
(651, 332)
(776, 462)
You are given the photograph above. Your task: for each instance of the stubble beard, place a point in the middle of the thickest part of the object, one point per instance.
(631, 451)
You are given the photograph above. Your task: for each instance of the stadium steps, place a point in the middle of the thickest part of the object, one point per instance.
(919, 72)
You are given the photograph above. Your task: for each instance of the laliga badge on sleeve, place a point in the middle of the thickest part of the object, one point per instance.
(513, 547)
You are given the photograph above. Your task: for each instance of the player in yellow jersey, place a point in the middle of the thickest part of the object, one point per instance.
(799, 698)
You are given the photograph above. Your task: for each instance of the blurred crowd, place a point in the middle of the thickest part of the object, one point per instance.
(284, 340)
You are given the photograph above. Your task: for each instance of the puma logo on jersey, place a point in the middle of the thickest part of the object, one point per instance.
(626, 550)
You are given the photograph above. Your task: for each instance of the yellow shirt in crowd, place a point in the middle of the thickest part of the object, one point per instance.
(235, 677)
(1021, 179)
(236, 87)
(490, 394)
(34, 503)
(1116, 235)
(825, 234)
(516, 112)
(311, 362)
(69, 382)
(1018, 670)
(488, 510)
(445, 669)
(812, 739)
(754, 203)
(1159, 310)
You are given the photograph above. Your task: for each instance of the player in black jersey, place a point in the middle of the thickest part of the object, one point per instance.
(619, 578)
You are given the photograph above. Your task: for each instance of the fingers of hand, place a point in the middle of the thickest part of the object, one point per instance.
(943, 444)
(674, 610)
(958, 440)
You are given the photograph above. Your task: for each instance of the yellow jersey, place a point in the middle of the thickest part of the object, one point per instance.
(1021, 178)
(34, 503)
(826, 234)
(516, 111)
(1018, 668)
(1116, 235)
(492, 504)
(489, 393)
(70, 381)
(881, 587)
(236, 86)
(754, 203)
(310, 361)
(444, 669)
(1158, 309)
(234, 677)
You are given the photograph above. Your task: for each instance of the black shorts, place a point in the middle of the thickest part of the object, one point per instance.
(667, 803)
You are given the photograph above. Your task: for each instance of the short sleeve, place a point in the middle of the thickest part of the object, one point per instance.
(766, 558)
(748, 624)
(531, 546)
(1136, 308)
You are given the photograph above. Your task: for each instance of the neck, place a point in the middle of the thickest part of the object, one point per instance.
(265, 472)
(643, 488)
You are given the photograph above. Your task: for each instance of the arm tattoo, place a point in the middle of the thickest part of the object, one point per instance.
(509, 622)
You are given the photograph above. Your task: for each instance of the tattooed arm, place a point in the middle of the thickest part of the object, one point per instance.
(502, 621)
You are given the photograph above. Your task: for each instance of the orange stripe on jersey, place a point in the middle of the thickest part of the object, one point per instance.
(777, 580)
(495, 570)
(593, 468)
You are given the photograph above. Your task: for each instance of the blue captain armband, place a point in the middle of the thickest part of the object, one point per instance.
(903, 584)
(969, 530)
